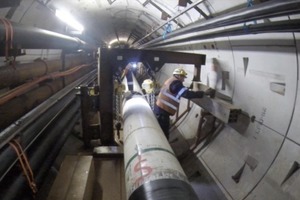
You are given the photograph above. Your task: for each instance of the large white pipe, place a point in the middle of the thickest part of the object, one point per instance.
(151, 168)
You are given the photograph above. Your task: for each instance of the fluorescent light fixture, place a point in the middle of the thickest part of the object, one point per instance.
(69, 20)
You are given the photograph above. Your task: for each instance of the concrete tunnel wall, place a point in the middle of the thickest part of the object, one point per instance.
(260, 74)
(263, 74)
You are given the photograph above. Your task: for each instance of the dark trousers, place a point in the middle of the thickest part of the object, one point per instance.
(164, 122)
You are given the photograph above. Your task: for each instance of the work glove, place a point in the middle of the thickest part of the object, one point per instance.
(210, 92)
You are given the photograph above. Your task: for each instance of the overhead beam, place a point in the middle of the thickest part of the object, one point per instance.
(169, 16)
(162, 25)
(146, 2)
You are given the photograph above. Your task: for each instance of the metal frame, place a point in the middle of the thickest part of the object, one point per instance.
(110, 60)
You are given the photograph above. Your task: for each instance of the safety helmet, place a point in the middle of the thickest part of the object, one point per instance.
(180, 72)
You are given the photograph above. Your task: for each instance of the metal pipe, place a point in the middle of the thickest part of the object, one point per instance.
(271, 27)
(26, 102)
(55, 150)
(22, 89)
(21, 126)
(13, 75)
(173, 18)
(152, 170)
(39, 152)
(21, 72)
(34, 123)
(264, 10)
(43, 39)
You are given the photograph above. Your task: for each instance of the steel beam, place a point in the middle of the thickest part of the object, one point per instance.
(110, 62)
(223, 110)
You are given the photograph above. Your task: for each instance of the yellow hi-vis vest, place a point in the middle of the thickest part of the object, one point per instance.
(167, 100)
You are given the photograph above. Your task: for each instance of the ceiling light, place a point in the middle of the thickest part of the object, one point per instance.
(69, 20)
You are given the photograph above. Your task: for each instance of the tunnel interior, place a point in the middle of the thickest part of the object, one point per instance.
(76, 99)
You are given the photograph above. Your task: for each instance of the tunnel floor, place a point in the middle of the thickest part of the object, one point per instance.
(109, 173)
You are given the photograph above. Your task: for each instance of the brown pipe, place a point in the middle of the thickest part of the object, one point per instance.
(19, 73)
(30, 85)
(17, 107)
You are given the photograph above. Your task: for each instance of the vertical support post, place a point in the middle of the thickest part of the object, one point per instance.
(84, 115)
(105, 81)
(197, 76)
(99, 64)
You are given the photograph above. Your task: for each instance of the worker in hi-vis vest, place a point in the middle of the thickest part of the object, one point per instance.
(168, 99)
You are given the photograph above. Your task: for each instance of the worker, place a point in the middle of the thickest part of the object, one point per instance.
(169, 97)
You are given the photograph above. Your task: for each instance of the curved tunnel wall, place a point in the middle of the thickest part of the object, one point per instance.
(256, 70)
(260, 73)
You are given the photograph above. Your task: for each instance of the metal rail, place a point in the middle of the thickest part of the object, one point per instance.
(275, 8)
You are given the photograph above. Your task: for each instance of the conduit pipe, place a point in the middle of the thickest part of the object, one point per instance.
(43, 39)
(30, 85)
(21, 72)
(41, 151)
(152, 170)
(269, 9)
(32, 125)
(26, 102)
(271, 27)
(43, 168)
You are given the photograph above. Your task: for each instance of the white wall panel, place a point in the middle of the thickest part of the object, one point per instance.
(253, 89)
(230, 150)
(273, 186)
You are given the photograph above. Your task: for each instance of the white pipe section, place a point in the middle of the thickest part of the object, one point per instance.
(150, 162)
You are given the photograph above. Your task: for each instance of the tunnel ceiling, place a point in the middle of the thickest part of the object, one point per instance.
(121, 22)
(127, 21)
